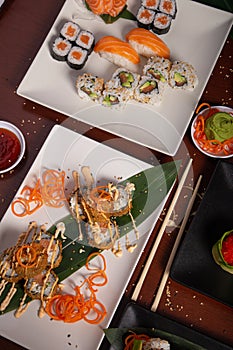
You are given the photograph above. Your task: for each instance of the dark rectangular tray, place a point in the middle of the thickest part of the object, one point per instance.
(135, 316)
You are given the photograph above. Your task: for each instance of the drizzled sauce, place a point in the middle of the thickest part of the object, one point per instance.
(9, 148)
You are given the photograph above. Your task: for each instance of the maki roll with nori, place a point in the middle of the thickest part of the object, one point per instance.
(168, 7)
(70, 31)
(162, 23)
(158, 68)
(60, 49)
(151, 4)
(77, 57)
(89, 87)
(145, 17)
(182, 76)
(86, 40)
(149, 90)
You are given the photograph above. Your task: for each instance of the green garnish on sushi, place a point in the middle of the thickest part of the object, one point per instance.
(148, 86)
(126, 79)
(180, 79)
(222, 251)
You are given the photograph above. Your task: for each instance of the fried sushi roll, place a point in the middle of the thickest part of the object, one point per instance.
(52, 248)
(60, 49)
(77, 57)
(7, 266)
(89, 87)
(158, 68)
(41, 286)
(149, 90)
(182, 76)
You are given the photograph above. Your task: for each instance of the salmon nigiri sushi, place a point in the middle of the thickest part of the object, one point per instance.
(147, 43)
(118, 52)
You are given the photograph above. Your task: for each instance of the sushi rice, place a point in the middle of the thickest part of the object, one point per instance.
(77, 57)
(60, 49)
(183, 76)
(155, 344)
(149, 90)
(158, 68)
(126, 80)
(70, 31)
(89, 87)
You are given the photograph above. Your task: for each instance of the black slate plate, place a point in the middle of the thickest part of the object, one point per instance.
(193, 265)
(136, 316)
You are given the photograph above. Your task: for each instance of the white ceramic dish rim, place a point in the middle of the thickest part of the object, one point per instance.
(221, 108)
(11, 127)
(160, 128)
(64, 149)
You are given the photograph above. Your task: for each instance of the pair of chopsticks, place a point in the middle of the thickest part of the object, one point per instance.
(159, 237)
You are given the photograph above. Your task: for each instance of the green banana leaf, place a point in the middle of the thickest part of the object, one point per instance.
(151, 187)
(116, 337)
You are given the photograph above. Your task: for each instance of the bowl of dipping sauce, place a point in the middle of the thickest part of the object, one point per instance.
(212, 131)
(12, 146)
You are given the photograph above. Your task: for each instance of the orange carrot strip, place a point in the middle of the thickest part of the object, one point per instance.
(26, 256)
(204, 104)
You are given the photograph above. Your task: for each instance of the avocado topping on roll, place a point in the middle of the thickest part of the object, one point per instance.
(222, 251)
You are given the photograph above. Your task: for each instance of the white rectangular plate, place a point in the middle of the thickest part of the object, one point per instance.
(197, 36)
(68, 150)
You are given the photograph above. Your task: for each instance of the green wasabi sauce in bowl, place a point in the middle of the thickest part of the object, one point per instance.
(212, 131)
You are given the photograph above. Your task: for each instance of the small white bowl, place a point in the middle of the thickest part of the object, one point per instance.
(19, 135)
(221, 109)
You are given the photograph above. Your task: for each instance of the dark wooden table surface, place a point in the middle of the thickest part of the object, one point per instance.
(24, 26)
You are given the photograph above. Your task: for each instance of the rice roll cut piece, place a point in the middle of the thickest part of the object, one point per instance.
(145, 17)
(169, 7)
(162, 23)
(77, 57)
(118, 52)
(147, 43)
(70, 31)
(149, 90)
(126, 80)
(60, 49)
(155, 344)
(158, 68)
(151, 4)
(112, 98)
(89, 87)
(183, 76)
(86, 40)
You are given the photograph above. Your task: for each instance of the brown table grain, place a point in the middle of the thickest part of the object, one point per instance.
(23, 27)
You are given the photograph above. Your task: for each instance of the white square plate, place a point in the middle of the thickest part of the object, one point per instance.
(197, 36)
(67, 150)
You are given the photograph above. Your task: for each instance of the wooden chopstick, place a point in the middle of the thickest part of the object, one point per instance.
(161, 231)
(174, 249)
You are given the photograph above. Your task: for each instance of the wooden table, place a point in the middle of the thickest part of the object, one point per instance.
(23, 27)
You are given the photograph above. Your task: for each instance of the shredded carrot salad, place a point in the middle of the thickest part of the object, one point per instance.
(49, 191)
(129, 340)
(82, 305)
(212, 146)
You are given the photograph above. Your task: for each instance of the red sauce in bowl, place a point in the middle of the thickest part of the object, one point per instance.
(9, 148)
